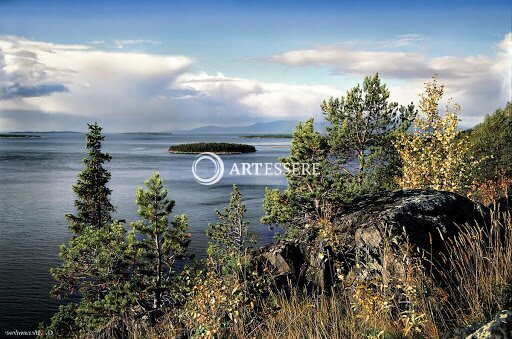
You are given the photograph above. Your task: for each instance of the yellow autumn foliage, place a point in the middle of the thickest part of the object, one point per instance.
(435, 154)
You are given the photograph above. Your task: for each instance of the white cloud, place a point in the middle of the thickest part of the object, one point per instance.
(140, 91)
(402, 41)
(59, 86)
(16, 82)
(123, 43)
(99, 84)
(480, 83)
(262, 99)
(345, 59)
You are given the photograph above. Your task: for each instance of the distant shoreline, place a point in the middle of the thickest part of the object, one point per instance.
(147, 133)
(19, 136)
(267, 136)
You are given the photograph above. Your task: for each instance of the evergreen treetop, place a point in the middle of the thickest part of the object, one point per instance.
(229, 237)
(362, 127)
(93, 196)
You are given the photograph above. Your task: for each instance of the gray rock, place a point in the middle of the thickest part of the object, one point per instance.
(371, 232)
(498, 328)
(377, 226)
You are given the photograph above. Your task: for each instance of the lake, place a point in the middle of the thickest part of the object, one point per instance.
(36, 176)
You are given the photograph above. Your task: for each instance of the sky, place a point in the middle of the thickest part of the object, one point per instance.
(175, 65)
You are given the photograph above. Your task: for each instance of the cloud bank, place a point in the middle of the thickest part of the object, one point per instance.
(480, 83)
(59, 86)
(136, 91)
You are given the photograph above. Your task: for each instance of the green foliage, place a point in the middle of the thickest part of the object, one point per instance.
(93, 195)
(310, 197)
(62, 324)
(229, 238)
(493, 137)
(115, 275)
(155, 244)
(94, 268)
(221, 290)
(93, 263)
(216, 147)
(363, 126)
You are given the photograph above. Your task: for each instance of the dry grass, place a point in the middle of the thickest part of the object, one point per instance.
(305, 317)
(476, 280)
(478, 271)
(477, 276)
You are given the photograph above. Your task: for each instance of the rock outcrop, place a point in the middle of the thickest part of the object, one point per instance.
(370, 234)
(498, 328)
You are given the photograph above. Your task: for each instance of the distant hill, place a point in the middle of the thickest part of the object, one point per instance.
(271, 127)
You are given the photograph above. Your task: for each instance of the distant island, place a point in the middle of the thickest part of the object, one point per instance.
(267, 136)
(215, 147)
(149, 133)
(8, 136)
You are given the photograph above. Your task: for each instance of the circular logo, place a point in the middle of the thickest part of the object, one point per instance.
(219, 168)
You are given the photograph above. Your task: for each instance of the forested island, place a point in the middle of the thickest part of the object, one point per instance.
(215, 147)
(416, 242)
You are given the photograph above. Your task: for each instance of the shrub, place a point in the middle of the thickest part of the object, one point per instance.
(435, 155)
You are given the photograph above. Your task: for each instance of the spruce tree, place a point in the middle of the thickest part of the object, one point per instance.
(94, 265)
(93, 196)
(156, 243)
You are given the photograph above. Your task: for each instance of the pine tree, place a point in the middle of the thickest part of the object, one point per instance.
(223, 288)
(95, 270)
(229, 238)
(492, 140)
(93, 195)
(363, 125)
(313, 197)
(156, 243)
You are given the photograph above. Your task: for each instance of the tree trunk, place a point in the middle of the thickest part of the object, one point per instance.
(157, 300)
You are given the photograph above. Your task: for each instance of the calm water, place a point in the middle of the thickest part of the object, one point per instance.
(36, 176)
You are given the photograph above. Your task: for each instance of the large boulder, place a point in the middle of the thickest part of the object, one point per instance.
(498, 328)
(370, 234)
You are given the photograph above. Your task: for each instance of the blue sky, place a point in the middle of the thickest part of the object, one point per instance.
(263, 59)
